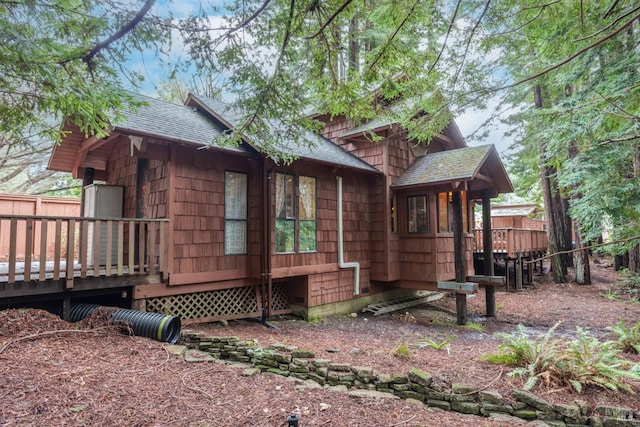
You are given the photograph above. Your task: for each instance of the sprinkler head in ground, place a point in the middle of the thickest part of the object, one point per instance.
(293, 420)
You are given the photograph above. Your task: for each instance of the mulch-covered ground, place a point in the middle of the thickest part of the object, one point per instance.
(57, 373)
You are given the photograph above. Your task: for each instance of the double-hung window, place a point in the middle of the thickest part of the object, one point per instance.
(445, 212)
(307, 214)
(235, 213)
(296, 223)
(418, 221)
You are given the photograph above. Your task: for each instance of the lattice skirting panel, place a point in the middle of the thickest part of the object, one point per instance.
(223, 304)
(279, 300)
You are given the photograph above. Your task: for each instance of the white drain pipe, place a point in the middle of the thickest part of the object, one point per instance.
(341, 263)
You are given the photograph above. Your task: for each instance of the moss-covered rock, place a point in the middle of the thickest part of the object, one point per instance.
(421, 377)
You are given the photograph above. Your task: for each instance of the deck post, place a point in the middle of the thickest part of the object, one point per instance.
(519, 271)
(459, 261)
(487, 249)
(66, 308)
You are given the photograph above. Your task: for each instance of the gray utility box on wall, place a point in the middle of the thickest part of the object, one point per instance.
(103, 201)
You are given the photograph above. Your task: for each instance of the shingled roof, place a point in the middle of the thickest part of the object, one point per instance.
(322, 149)
(173, 122)
(459, 165)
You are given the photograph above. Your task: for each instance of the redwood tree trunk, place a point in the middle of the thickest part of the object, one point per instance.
(580, 258)
(581, 261)
(556, 209)
(634, 253)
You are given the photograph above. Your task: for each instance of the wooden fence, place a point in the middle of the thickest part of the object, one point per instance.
(54, 247)
(18, 204)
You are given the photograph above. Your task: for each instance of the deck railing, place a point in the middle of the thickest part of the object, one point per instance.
(48, 247)
(512, 241)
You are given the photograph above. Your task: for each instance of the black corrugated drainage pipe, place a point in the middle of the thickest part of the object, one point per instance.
(161, 327)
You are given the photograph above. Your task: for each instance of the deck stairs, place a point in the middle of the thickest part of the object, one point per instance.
(402, 303)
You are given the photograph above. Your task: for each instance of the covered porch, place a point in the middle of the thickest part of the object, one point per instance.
(440, 190)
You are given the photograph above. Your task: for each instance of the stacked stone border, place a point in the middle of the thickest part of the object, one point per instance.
(302, 364)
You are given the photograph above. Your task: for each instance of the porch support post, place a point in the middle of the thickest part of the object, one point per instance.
(459, 261)
(87, 179)
(487, 249)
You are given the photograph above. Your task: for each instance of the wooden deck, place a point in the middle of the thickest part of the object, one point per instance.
(55, 254)
(514, 245)
(512, 242)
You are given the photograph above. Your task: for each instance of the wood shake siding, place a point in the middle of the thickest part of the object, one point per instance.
(400, 156)
(335, 127)
(375, 154)
(380, 221)
(356, 221)
(356, 215)
(254, 209)
(327, 288)
(155, 205)
(326, 282)
(173, 173)
(430, 259)
(122, 171)
(199, 213)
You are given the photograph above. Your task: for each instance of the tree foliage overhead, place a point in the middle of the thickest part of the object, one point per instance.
(62, 59)
(567, 68)
(290, 58)
(584, 57)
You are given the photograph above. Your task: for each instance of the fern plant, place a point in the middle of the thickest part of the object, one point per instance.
(428, 342)
(627, 338)
(582, 362)
(588, 361)
(611, 294)
(628, 284)
(629, 280)
(531, 358)
(478, 327)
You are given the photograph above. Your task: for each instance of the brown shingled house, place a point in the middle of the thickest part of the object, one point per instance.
(349, 223)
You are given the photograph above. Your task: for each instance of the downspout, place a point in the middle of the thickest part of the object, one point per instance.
(265, 245)
(341, 263)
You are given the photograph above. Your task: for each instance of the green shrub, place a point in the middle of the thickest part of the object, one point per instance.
(629, 280)
(316, 319)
